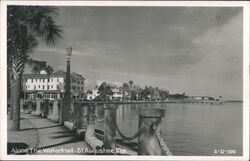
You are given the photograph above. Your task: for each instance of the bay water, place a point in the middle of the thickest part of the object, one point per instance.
(191, 129)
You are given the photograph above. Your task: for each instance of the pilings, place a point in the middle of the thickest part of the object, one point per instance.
(68, 117)
(54, 111)
(90, 137)
(84, 118)
(147, 142)
(21, 105)
(45, 108)
(109, 126)
(38, 107)
(80, 118)
(29, 109)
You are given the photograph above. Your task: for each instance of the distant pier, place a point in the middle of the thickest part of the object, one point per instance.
(146, 102)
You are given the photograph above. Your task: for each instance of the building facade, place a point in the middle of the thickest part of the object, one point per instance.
(92, 94)
(117, 94)
(52, 86)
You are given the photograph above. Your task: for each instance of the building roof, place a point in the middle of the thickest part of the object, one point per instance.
(35, 76)
(74, 75)
(43, 91)
(60, 72)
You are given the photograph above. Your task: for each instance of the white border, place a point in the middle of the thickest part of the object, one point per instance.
(3, 69)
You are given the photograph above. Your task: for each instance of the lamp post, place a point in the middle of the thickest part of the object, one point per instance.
(64, 112)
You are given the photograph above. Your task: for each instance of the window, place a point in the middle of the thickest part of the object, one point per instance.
(43, 80)
(48, 87)
(51, 79)
(78, 88)
(48, 79)
(34, 86)
(36, 80)
(39, 86)
(31, 80)
(54, 95)
(51, 86)
(78, 82)
(82, 88)
(81, 82)
(43, 86)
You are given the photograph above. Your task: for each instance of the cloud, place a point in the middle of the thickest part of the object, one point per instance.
(179, 48)
(221, 65)
(62, 51)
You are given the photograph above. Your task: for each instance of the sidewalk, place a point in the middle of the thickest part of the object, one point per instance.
(57, 139)
(26, 138)
(54, 139)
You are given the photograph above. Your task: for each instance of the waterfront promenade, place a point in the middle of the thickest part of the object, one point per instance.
(49, 135)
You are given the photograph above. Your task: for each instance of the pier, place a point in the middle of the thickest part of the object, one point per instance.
(149, 102)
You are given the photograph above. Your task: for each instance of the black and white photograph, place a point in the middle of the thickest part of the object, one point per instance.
(125, 81)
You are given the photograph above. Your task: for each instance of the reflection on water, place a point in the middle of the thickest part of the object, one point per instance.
(189, 129)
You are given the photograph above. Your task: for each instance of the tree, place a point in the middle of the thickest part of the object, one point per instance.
(125, 85)
(105, 92)
(37, 66)
(145, 93)
(25, 25)
(164, 94)
(49, 69)
(133, 95)
(131, 83)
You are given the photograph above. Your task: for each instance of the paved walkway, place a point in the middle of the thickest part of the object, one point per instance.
(25, 138)
(56, 139)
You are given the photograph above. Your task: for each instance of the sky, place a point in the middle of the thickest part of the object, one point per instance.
(196, 50)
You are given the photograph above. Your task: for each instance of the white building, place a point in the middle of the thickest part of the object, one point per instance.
(52, 86)
(198, 98)
(117, 94)
(92, 94)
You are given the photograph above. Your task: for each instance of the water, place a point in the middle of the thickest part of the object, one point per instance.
(191, 129)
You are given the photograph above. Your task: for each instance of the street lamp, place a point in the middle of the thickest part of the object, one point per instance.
(68, 51)
(66, 102)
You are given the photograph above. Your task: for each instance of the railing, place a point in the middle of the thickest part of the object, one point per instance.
(83, 116)
(150, 141)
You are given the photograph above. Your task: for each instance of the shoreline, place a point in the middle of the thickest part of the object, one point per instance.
(144, 102)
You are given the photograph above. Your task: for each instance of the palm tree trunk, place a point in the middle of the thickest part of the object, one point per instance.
(17, 70)
(16, 102)
(11, 101)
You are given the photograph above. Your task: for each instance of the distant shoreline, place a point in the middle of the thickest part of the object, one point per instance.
(145, 102)
(234, 101)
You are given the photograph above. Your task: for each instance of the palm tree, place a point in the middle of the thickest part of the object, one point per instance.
(25, 25)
